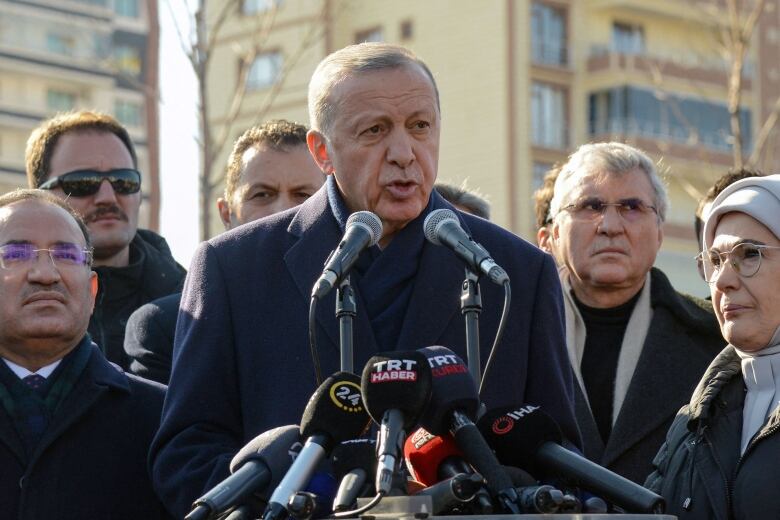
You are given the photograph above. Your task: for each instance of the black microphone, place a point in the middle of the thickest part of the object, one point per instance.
(452, 409)
(363, 229)
(528, 438)
(334, 413)
(452, 492)
(396, 388)
(353, 461)
(442, 227)
(259, 465)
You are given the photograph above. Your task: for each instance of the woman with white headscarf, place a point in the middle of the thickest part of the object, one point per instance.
(721, 459)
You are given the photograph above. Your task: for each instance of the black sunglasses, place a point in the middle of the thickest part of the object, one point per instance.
(83, 183)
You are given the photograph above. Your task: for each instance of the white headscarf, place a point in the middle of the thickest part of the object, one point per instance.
(758, 197)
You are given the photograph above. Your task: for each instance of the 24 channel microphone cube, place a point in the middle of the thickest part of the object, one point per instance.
(333, 414)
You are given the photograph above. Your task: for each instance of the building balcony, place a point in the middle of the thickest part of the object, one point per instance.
(682, 66)
(689, 144)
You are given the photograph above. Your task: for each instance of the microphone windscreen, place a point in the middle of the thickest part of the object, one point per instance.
(397, 380)
(272, 447)
(452, 388)
(434, 220)
(516, 434)
(370, 221)
(424, 453)
(354, 454)
(336, 409)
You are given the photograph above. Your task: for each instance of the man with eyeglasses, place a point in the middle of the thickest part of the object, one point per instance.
(89, 159)
(637, 346)
(74, 429)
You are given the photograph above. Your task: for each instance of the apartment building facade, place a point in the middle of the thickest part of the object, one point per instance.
(61, 55)
(524, 82)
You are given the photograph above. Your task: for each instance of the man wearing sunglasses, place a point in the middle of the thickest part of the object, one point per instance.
(89, 159)
(74, 429)
(637, 346)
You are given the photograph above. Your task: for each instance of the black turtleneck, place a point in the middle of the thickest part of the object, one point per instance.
(605, 329)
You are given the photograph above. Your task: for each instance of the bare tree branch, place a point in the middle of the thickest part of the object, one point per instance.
(766, 130)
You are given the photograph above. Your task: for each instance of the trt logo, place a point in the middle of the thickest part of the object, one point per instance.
(446, 364)
(394, 370)
(421, 437)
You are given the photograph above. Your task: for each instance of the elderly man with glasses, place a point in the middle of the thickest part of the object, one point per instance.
(637, 347)
(74, 429)
(89, 159)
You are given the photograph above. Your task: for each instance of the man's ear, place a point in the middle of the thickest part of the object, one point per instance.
(318, 148)
(543, 238)
(93, 289)
(224, 212)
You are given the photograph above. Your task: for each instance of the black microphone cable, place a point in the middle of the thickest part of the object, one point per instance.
(315, 356)
(499, 333)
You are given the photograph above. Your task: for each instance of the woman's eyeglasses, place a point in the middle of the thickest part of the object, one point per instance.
(83, 183)
(745, 259)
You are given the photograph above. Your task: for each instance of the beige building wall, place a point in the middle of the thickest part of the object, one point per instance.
(63, 55)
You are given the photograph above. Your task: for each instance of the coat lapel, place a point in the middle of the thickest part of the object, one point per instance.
(654, 392)
(318, 234)
(9, 437)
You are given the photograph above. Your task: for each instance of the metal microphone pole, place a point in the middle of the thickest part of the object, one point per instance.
(470, 307)
(346, 310)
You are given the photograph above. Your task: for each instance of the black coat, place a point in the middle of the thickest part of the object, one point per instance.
(699, 466)
(152, 273)
(91, 460)
(242, 363)
(149, 338)
(681, 341)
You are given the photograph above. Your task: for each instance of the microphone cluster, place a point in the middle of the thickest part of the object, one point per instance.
(430, 444)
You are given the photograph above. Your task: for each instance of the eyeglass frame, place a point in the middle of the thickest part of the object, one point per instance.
(604, 206)
(88, 256)
(56, 182)
(700, 257)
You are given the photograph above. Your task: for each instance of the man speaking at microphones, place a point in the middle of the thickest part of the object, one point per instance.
(242, 359)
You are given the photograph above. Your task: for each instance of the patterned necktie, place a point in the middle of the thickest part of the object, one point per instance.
(36, 382)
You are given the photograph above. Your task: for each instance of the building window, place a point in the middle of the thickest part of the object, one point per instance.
(264, 71)
(407, 30)
(632, 111)
(59, 43)
(540, 169)
(127, 8)
(548, 116)
(548, 34)
(370, 35)
(60, 101)
(258, 6)
(128, 112)
(628, 38)
(128, 60)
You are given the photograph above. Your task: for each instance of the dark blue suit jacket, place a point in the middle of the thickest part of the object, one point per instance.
(241, 355)
(91, 460)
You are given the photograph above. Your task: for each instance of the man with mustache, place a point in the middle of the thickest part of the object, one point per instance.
(242, 361)
(89, 159)
(637, 346)
(74, 429)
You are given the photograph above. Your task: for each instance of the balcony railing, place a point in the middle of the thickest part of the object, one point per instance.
(718, 140)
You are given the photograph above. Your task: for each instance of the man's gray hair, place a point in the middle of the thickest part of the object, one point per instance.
(614, 159)
(353, 59)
